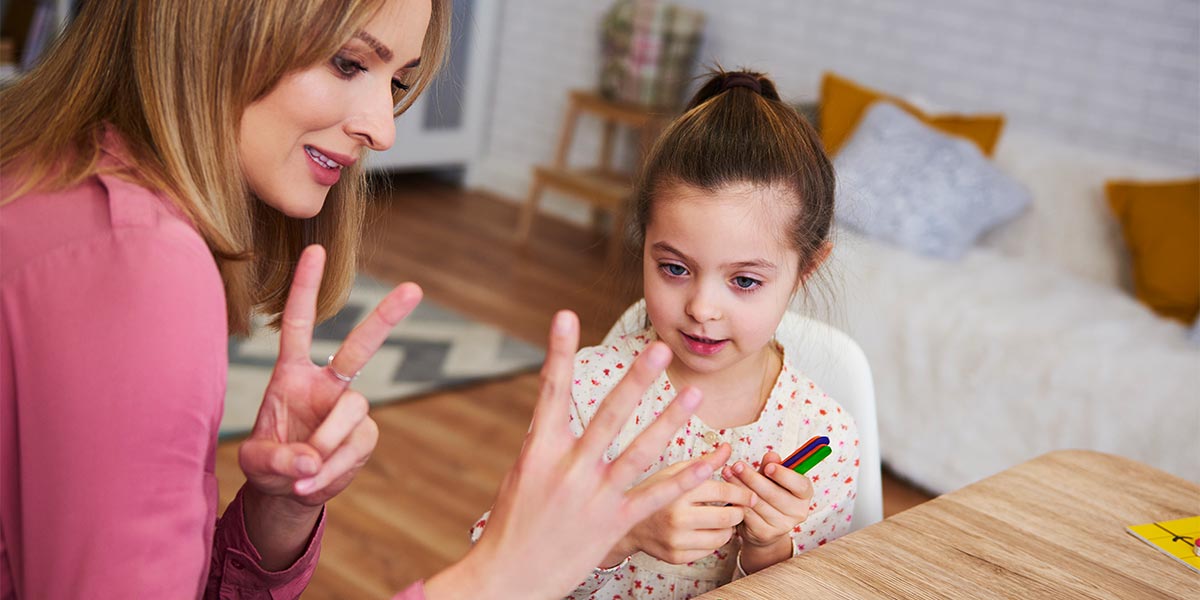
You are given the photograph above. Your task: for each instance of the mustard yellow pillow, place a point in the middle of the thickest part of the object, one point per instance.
(843, 103)
(1161, 223)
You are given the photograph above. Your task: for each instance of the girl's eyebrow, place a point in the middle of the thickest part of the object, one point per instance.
(758, 262)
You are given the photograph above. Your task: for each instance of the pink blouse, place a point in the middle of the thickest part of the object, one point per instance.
(113, 344)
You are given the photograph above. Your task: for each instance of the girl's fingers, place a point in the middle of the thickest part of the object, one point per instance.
(644, 500)
(351, 455)
(299, 314)
(368, 336)
(777, 499)
(707, 539)
(798, 485)
(351, 408)
(712, 517)
(550, 414)
(755, 522)
(614, 411)
(648, 446)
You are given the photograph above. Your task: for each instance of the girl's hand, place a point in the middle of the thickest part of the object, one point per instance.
(562, 507)
(692, 526)
(313, 433)
(784, 500)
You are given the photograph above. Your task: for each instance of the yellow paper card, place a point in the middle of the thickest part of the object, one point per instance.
(1177, 538)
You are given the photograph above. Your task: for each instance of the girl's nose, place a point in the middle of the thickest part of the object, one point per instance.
(703, 307)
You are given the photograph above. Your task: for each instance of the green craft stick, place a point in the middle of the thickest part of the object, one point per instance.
(818, 456)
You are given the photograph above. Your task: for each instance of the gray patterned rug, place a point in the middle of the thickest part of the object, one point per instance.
(432, 349)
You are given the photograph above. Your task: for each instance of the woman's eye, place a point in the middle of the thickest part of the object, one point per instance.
(674, 270)
(346, 67)
(746, 283)
(399, 86)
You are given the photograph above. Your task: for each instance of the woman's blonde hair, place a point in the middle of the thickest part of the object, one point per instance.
(173, 79)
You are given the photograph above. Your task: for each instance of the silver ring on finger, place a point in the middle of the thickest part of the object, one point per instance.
(343, 378)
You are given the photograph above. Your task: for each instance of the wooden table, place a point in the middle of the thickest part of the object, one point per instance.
(1053, 527)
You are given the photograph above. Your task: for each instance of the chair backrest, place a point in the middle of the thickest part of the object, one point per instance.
(837, 364)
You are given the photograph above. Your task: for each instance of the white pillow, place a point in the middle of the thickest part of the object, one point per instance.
(1069, 223)
(902, 181)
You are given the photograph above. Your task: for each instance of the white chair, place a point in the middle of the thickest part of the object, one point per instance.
(836, 363)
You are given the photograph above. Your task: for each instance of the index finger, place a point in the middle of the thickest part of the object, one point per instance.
(369, 335)
(550, 414)
(300, 312)
(722, 493)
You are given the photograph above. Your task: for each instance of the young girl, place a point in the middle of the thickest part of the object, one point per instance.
(733, 214)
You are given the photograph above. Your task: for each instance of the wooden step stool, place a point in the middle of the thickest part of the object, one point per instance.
(607, 190)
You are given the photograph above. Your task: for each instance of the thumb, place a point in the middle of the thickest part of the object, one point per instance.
(717, 458)
(268, 457)
(771, 457)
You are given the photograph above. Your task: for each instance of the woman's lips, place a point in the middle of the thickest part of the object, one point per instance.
(703, 346)
(325, 170)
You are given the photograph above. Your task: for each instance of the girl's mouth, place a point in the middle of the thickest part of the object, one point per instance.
(702, 345)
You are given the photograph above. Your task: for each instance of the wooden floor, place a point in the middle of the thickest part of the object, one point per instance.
(441, 457)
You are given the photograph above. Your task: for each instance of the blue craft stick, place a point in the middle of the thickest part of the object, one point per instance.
(805, 450)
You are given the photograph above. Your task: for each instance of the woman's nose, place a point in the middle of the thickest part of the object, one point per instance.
(373, 121)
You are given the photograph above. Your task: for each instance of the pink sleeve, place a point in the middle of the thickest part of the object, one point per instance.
(117, 356)
(234, 571)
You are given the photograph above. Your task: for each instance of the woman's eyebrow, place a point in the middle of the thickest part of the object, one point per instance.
(383, 51)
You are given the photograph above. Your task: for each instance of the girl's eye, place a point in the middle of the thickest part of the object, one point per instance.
(346, 67)
(674, 270)
(399, 86)
(746, 283)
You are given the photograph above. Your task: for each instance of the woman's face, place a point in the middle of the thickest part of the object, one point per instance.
(294, 141)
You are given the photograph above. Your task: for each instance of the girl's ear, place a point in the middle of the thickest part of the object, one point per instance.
(819, 258)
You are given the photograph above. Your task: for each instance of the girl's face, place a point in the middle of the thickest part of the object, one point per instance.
(718, 273)
(295, 140)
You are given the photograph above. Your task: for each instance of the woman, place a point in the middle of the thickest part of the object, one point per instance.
(169, 169)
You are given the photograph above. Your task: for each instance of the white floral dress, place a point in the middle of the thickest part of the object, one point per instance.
(796, 411)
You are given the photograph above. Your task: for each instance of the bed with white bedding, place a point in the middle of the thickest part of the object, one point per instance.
(1029, 343)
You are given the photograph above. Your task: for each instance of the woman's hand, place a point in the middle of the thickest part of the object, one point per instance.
(784, 500)
(562, 507)
(695, 524)
(312, 433)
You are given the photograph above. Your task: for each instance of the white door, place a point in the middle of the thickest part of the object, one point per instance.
(445, 126)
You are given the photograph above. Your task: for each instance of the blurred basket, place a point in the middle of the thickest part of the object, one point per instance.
(649, 50)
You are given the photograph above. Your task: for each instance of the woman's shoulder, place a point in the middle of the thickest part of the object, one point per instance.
(92, 220)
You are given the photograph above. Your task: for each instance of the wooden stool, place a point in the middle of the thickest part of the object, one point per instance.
(605, 189)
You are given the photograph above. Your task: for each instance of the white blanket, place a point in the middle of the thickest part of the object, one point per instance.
(985, 363)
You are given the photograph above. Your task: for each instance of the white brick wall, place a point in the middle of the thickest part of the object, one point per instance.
(1118, 75)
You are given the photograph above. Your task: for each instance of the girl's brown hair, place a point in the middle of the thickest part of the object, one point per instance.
(173, 79)
(736, 130)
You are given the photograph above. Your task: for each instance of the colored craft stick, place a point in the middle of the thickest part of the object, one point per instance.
(805, 450)
(810, 462)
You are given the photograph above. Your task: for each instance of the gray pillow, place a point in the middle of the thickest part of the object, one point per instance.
(901, 181)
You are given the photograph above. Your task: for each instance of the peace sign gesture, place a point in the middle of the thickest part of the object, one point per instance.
(313, 433)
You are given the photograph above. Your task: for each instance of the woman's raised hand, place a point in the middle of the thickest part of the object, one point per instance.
(313, 433)
(562, 507)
